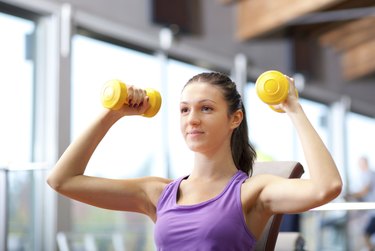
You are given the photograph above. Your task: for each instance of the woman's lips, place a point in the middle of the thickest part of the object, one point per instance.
(195, 132)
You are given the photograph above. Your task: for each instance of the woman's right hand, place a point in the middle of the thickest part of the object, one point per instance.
(137, 102)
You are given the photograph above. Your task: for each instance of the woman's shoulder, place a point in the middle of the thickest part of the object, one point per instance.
(158, 179)
(157, 182)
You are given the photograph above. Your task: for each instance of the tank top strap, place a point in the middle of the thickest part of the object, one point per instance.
(232, 192)
(169, 194)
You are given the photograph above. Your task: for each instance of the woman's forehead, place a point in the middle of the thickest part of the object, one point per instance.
(202, 89)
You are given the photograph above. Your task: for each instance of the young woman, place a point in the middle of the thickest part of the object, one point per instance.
(219, 206)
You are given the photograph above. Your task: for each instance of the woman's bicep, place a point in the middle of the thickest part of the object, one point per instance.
(282, 195)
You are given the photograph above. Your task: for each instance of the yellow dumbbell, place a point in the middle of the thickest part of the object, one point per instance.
(115, 93)
(272, 88)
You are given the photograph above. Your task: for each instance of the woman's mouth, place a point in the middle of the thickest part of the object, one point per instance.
(195, 132)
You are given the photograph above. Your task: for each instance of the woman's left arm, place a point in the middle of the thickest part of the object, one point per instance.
(324, 183)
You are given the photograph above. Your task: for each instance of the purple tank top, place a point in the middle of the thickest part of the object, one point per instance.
(217, 224)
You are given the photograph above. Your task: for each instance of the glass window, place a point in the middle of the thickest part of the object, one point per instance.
(129, 134)
(273, 134)
(16, 96)
(360, 138)
(360, 143)
(270, 132)
(20, 201)
(16, 129)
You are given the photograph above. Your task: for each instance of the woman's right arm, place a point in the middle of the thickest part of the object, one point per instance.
(67, 177)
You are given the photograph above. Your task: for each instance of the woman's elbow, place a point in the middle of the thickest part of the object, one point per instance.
(332, 191)
(336, 189)
(55, 182)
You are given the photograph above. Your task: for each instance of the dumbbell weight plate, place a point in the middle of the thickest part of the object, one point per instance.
(272, 87)
(155, 102)
(114, 93)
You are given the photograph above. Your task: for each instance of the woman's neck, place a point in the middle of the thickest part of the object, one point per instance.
(213, 167)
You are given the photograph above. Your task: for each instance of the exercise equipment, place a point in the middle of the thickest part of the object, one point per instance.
(115, 93)
(272, 88)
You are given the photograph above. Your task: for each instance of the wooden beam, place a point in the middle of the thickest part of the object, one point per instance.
(359, 61)
(349, 35)
(227, 2)
(256, 17)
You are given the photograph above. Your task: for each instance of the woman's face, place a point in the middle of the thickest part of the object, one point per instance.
(204, 120)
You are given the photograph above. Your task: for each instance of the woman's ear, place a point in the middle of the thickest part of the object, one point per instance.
(237, 118)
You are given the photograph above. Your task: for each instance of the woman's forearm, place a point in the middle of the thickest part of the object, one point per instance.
(322, 168)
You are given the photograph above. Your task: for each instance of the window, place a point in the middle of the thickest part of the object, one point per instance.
(130, 135)
(16, 130)
(273, 134)
(361, 138)
(270, 132)
(16, 96)
(360, 142)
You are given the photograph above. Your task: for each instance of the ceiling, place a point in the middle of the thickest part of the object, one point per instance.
(347, 27)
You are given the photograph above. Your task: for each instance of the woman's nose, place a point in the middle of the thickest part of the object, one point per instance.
(193, 118)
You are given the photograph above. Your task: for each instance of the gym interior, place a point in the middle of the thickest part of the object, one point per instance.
(55, 56)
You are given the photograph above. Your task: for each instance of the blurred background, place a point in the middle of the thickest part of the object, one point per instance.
(56, 55)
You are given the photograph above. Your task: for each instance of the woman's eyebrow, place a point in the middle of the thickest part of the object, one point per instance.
(200, 101)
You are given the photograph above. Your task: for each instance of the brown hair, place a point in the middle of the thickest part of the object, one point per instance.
(243, 152)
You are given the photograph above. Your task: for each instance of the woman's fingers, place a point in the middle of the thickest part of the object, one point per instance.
(136, 96)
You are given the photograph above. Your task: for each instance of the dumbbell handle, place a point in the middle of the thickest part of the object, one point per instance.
(114, 94)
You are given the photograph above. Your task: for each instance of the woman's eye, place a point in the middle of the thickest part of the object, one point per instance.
(184, 110)
(206, 108)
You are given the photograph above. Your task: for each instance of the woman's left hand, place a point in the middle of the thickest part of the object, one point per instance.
(291, 102)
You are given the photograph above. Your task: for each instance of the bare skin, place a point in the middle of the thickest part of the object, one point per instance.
(206, 128)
